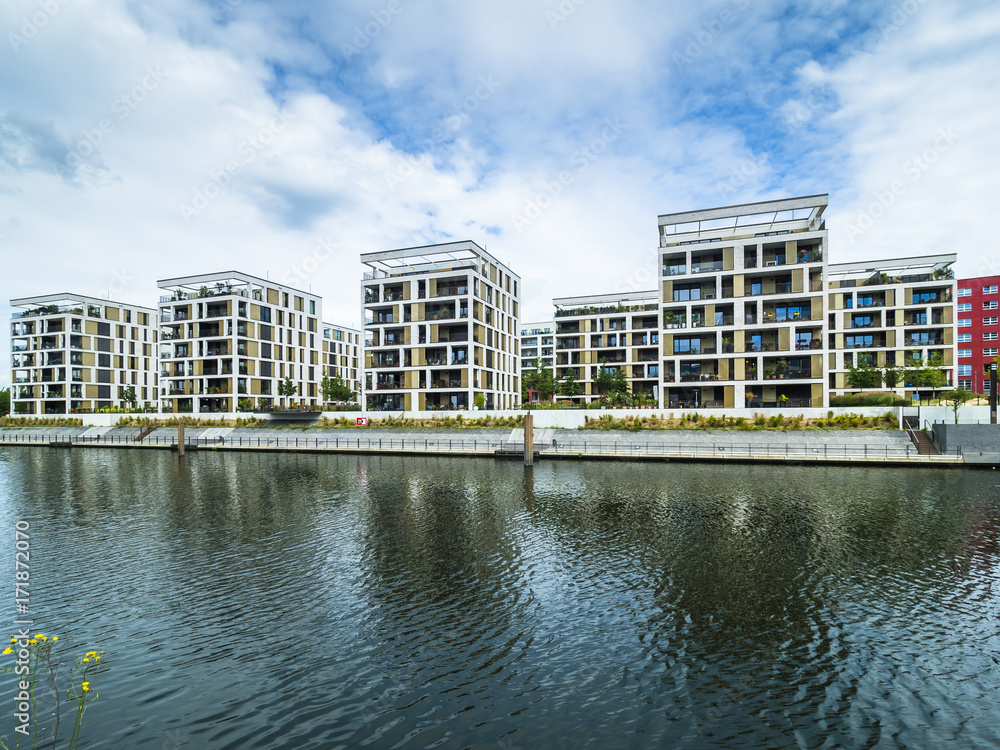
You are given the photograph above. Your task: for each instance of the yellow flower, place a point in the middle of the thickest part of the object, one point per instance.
(39, 635)
(32, 640)
(8, 650)
(86, 687)
(55, 638)
(86, 658)
(13, 639)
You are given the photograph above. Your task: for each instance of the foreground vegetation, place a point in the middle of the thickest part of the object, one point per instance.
(40, 422)
(695, 421)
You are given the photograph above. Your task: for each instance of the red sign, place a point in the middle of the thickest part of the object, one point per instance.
(362, 421)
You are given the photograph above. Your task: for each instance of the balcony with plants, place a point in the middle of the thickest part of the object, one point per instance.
(783, 368)
(783, 312)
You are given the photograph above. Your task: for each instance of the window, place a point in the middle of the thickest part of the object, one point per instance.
(965, 338)
(965, 307)
(990, 336)
(965, 352)
(990, 289)
(990, 321)
(990, 304)
(965, 322)
(855, 342)
(965, 370)
(964, 292)
(990, 352)
(965, 385)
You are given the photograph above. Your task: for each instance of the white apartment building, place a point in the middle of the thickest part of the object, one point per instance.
(71, 353)
(342, 354)
(614, 331)
(230, 337)
(538, 342)
(892, 313)
(441, 329)
(743, 305)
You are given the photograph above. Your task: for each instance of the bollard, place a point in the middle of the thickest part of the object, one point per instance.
(180, 440)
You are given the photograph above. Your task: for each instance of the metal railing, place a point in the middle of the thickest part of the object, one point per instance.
(484, 446)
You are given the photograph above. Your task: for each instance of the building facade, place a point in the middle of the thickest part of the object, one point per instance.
(230, 339)
(613, 331)
(978, 309)
(537, 342)
(441, 329)
(72, 354)
(743, 305)
(891, 314)
(342, 355)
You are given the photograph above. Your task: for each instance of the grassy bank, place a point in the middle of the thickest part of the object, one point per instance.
(40, 422)
(695, 421)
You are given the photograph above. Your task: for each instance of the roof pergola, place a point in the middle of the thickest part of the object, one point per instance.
(925, 264)
(597, 300)
(415, 259)
(70, 299)
(766, 216)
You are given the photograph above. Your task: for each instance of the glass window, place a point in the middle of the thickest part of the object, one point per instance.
(989, 321)
(964, 322)
(965, 307)
(990, 304)
(965, 370)
(965, 352)
(990, 352)
(965, 338)
(990, 289)
(990, 336)
(964, 292)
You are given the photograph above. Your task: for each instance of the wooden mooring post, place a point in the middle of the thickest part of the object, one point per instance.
(180, 440)
(529, 440)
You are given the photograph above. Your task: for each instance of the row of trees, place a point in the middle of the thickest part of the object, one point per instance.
(610, 383)
(927, 374)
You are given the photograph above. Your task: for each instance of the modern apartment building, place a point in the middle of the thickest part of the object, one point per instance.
(614, 331)
(441, 329)
(891, 313)
(228, 337)
(537, 342)
(74, 353)
(744, 306)
(978, 301)
(342, 354)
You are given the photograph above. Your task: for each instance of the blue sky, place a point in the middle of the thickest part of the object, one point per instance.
(145, 141)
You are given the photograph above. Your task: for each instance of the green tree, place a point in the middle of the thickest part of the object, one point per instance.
(569, 386)
(604, 382)
(4, 401)
(127, 394)
(287, 388)
(620, 387)
(955, 399)
(891, 376)
(539, 379)
(863, 376)
(927, 373)
(335, 389)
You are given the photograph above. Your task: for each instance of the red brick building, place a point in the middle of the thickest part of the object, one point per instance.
(978, 330)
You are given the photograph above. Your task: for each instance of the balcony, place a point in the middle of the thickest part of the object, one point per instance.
(811, 344)
(452, 291)
(709, 267)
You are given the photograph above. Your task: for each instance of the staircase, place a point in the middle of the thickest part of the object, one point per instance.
(925, 446)
(138, 436)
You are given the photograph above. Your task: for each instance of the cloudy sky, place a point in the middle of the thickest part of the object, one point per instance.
(141, 141)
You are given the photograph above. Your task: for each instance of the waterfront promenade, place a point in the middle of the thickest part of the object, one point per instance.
(884, 447)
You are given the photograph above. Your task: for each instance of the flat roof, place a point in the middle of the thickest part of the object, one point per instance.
(918, 263)
(607, 299)
(393, 260)
(196, 282)
(68, 298)
(806, 208)
(343, 328)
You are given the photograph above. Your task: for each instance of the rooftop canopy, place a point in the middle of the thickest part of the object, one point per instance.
(602, 300)
(223, 279)
(916, 266)
(762, 217)
(68, 301)
(426, 258)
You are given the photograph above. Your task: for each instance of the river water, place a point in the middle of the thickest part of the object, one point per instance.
(302, 601)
